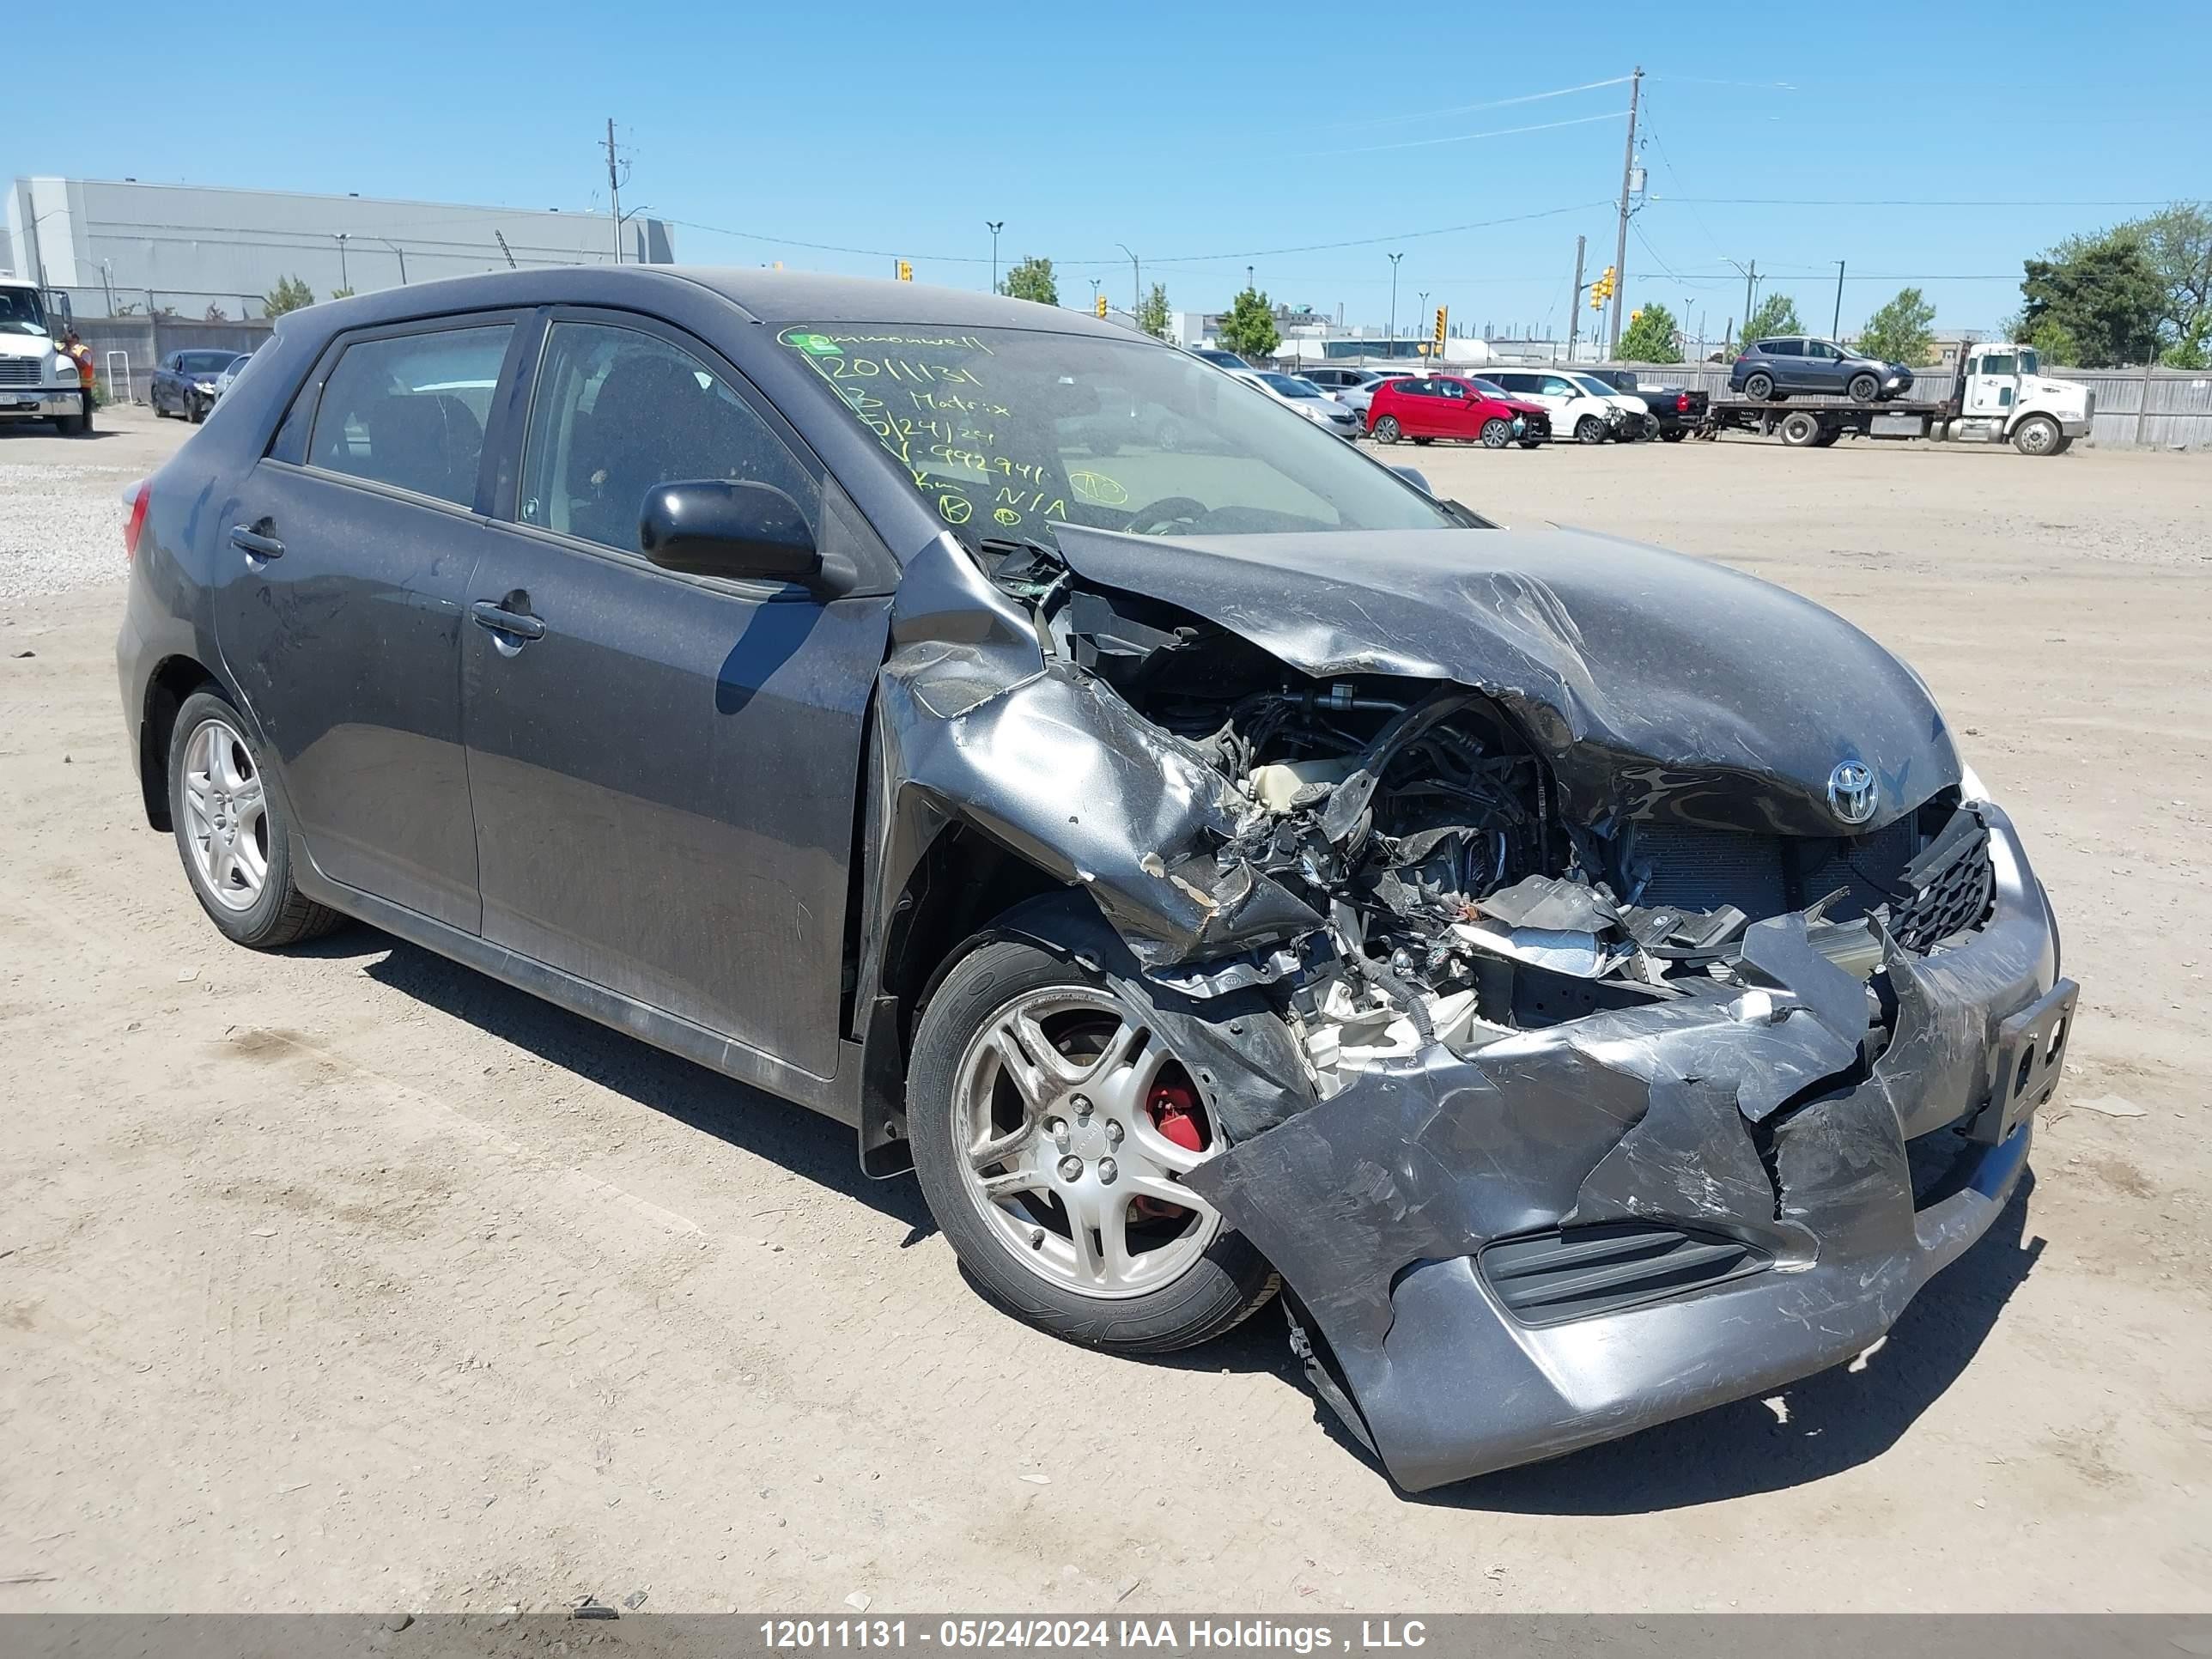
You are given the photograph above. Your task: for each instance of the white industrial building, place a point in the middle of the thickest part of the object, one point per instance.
(120, 247)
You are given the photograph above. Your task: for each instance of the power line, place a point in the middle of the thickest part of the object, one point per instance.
(1494, 103)
(1926, 202)
(1468, 138)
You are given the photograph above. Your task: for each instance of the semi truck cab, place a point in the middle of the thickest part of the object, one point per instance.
(2003, 397)
(39, 381)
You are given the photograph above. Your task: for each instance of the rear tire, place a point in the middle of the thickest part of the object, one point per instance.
(1018, 1243)
(1801, 430)
(1674, 436)
(1497, 433)
(242, 879)
(1387, 430)
(1425, 442)
(1759, 388)
(1532, 443)
(1865, 388)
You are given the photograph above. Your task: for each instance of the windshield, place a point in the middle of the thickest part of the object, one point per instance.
(20, 311)
(1291, 386)
(1489, 389)
(1010, 432)
(2029, 362)
(204, 363)
(1592, 385)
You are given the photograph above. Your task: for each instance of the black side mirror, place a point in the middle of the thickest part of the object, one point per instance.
(715, 527)
(1412, 475)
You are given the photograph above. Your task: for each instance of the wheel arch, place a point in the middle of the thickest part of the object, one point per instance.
(175, 679)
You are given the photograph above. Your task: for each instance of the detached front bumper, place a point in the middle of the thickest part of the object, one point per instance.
(1483, 1242)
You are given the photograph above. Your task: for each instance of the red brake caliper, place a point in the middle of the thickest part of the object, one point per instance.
(1174, 1110)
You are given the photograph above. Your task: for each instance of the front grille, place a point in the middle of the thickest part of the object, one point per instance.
(1548, 1278)
(1763, 876)
(19, 370)
(1952, 885)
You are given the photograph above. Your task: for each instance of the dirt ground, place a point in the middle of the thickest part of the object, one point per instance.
(346, 1279)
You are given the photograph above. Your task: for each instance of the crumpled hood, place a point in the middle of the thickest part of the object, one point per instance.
(1659, 686)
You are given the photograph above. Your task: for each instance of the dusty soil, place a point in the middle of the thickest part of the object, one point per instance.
(346, 1279)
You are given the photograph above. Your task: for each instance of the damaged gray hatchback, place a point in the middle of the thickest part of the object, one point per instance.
(1585, 981)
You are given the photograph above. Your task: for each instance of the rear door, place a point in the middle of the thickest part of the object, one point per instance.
(665, 768)
(343, 572)
(1785, 360)
(1419, 408)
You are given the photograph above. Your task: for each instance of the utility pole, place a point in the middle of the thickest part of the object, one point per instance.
(1620, 240)
(1836, 323)
(994, 225)
(614, 189)
(1575, 305)
(344, 282)
(1136, 281)
(1750, 282)
(1390, 342)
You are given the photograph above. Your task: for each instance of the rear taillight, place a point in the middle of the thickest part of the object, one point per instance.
(141, 493)
(1681, 402)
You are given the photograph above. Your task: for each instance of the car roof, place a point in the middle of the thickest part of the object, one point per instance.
(772, 297)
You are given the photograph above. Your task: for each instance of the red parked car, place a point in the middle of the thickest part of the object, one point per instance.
(1446, 406)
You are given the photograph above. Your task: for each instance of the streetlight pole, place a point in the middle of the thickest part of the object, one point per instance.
(994, 225)
(343, 281)
(1136, 281)
(1836, 322)
(1391, 341)
(1621, 238)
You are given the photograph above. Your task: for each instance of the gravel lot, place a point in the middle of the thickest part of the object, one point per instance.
(346, 1279)
(60, 513)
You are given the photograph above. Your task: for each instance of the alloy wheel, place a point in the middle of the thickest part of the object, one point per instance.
(1076, 1123)
(226, 817)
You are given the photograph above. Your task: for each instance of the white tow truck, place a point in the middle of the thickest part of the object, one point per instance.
(2003, 397)
(38, 379)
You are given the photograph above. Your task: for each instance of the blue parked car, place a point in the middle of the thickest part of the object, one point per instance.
(1770, 370)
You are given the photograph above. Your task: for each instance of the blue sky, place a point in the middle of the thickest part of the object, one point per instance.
(1209, 139)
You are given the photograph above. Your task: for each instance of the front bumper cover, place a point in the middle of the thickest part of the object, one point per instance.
(40, 403)
(1751, 1118)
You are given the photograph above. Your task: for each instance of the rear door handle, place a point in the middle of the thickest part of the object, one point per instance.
(253, 542)
(500, 620)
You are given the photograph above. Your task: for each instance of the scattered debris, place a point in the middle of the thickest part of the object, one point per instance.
(186, 976)
(858, 1600)
(1036, 1480)
(635, 1600)
(2110, 1106)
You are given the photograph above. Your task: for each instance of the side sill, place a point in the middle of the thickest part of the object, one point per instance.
(835, 1097)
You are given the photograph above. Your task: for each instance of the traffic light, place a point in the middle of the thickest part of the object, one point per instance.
(1636, 314)
(1099, 302)
(906, 271)
(1603, 289)
(1437, 339)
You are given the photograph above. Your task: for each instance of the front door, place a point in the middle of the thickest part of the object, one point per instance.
(1992, 380)
(341, 575)
(665, 768)
(1824, 367)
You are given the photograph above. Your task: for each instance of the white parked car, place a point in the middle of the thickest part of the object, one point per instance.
(1308, 399)
(1576, 412)
(1638, 421)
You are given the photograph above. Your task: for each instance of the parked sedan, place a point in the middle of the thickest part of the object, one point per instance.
(1575, 410)
(1306, 399)
(1352, 387)
(1797, 362)
(1205, 868)
(1446, 406)
(185, 383)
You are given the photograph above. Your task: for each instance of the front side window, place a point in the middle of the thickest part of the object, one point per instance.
(1008, 432)
(1823, 350)
(1554, 386)
(617, 411)
(408, 411)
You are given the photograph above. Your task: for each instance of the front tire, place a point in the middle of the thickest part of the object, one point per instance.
(1589, 430)
(1865, 388)
(1050, 1121)
(1497, 433)
(1387, 430)
(2037, 434)
(231, 832)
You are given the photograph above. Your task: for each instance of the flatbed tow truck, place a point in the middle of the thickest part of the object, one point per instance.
(2002, 398)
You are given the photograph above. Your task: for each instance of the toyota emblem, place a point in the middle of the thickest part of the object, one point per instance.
(1853, 794)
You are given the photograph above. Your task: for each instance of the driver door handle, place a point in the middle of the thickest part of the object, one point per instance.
(500, 620)
(253, 542)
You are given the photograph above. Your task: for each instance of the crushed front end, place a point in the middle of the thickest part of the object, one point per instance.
(1654, 1056)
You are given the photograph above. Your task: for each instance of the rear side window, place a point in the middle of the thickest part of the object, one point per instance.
(618, 411)
(1780, 348)
(410, 410)
(1413, 388)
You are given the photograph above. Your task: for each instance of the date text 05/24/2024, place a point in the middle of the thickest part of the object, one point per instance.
(984, 1635)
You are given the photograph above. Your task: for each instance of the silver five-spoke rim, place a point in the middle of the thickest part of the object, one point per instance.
(226, 817)
(1064, 1156)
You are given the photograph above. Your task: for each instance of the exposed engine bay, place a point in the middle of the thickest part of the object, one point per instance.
(1458, 904)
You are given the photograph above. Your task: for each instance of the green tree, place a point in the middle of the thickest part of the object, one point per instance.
(2176, 242)
(1902, 331)
(1152, 315)
(1249, 329)
(1032, 279)
(289, 294)
(2053, 341)
(1650, 338)
(342, 294)
(2194, 348)
(1775, 315)
(2103, 293)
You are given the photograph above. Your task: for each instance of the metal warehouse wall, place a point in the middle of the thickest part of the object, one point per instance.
(188, 243)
